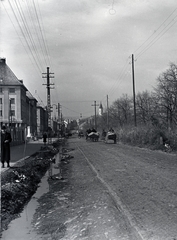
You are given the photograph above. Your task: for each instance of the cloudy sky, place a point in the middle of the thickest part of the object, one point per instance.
(88, 45)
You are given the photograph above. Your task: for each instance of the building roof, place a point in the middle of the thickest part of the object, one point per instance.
(7, 77)
(30, 96)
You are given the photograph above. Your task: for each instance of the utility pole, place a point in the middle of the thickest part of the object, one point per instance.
(95, 113)
(48, 98)
(107, 114)
(134, 101)
(58, 112)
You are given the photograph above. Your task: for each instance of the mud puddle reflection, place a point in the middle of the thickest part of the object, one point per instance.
(21, 228)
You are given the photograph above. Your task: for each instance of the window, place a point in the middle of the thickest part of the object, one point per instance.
(0, 100)
(12, 112)
(0, 113)
(0, 90)
(12, 100)
(12, 90)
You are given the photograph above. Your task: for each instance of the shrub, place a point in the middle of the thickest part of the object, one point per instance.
(147, 136)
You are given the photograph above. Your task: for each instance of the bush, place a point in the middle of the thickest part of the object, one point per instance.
(147, 136)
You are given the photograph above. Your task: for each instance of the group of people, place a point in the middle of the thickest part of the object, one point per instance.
(91, 130)
(111, 130)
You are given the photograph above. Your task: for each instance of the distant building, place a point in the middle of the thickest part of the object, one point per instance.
(42, 120)
(100, 110)
(32, 114)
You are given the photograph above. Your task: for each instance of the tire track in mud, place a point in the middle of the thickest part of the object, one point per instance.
(130, 221)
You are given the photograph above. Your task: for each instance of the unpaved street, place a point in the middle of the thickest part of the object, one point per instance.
(108, 191)
(141, 182)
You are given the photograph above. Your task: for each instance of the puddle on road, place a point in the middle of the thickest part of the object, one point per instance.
(20, 228)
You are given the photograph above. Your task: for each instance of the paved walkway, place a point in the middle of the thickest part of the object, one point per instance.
(23, 151)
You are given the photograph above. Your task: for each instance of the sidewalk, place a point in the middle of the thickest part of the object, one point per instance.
(23, 151)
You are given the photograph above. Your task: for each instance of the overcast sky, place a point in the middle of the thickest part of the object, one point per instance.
(88, 45)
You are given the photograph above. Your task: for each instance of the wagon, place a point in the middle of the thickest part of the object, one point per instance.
(111, 136)
(93, 136)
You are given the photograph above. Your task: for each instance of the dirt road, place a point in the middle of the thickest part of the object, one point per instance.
(109, 191)
(142, 183)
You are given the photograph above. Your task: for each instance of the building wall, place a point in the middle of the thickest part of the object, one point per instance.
(5, 104)
(24, 108)
(42, 121)
(22, 105)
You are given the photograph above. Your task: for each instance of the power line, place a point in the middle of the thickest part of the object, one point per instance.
(24, 35)
(29, 34)
(158, 34)
(36, 32)
(156, 39)
(40, 28)
(20, 38)
(155, 30)
(121, 76)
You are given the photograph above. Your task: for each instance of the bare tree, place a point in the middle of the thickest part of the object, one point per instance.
(146, 107)
(121, 111)
(167, 94)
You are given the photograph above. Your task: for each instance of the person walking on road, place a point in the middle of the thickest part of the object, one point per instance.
(5, 146)
(44, 138)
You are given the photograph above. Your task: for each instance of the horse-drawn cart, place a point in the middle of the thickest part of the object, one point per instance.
(93, 136)
(111, 136)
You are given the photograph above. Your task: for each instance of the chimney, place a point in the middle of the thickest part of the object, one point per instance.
(2, 60)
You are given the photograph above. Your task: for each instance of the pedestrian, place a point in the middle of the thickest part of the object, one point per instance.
(5, 146)
(103, 134)
(44, 138)
(111, 130)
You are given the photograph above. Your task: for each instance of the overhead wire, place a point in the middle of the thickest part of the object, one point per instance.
(156, 35)
(153, 41)
(156, 38)
(156, 30)
(40, 99)
(46, 48)
(28, 32)
(42, 35)
(36, 31)
(19, 37)
(86, 101)
(25, 38)
(124, 69)
(121, 77)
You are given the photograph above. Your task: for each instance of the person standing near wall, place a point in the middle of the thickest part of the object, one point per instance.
(5, 146)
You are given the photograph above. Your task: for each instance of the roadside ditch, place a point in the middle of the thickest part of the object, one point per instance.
(20, 182)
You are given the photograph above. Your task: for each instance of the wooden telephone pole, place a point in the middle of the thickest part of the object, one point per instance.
(95, 105)
(48, 100)
(107, 113)
(134, 101)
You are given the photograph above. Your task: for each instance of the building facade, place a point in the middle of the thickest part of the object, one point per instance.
(42, 121)
(18, 108)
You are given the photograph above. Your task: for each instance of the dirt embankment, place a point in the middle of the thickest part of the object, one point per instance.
(21, 181)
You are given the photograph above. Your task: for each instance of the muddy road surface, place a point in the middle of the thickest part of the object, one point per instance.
(106, 191)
